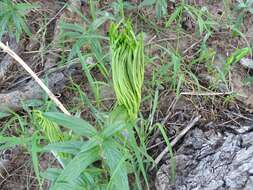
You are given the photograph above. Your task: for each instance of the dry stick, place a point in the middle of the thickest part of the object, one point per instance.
(206, 93)
(175, 140)
(36, 78)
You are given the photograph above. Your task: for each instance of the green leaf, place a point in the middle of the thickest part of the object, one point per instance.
(8, 142)
(119, 114)
(98, 22)
(138, 156)
(91, 80)
(74, 169)
(147, 3)
(13, 18)
(180, 82)
(65, 186)
(79, 126)
(51, 174)
(71, 27)
(238, 55)
(85, 100)
(113, 128)
(116, 122)
(71, 147)
(174, 16)
(85, 181)
(172, 159)
(34, 150)
(161, 8)
(116, 163)
(127, 66)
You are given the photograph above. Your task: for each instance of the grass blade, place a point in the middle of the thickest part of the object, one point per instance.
(79, 126)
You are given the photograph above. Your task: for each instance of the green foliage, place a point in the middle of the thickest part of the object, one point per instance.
(160, 6)
(201, 16)
(100, 146)
(115, 160)
(127, 66)
(104, 153)
(220, 73)
(85, 37)
(238, 55)
(177, 76)
(13, 18)
(173, 161)
(245, 5)
(178, 73)
(81, 36)
(99, 156)
(91, 80)
(78, 126)
(49, 128)
(105, 143)
(242, 8)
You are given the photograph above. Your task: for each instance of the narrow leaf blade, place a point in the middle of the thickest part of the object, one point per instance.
(78, 125)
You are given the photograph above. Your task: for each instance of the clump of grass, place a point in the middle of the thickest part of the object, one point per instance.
(84, 36)
(160, 6)
(203, 19)
(13, 18)
(242, 7)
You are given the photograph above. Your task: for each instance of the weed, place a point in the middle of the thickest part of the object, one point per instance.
(85, 37)
(242, 7)
(245, 5)
(202, 18)
(178, 72)
(160, 6)
(13, 18)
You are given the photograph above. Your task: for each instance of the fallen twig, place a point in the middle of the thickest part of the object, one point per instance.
(36, 78)
(206, 93)
(175, 140)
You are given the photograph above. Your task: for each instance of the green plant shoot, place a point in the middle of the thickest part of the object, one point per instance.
(127, 66)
